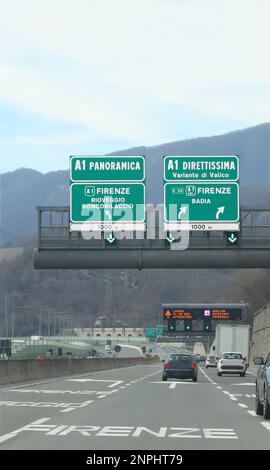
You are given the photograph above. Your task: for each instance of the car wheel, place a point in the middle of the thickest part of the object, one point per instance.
(194, 379)
(266, 406)
(219, 374)
(164, 378)
(258, 405)
(243, 374)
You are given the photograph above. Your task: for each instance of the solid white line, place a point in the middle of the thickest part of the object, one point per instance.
(208, 378)
(266, 425)
(242, 405)
(251, 412)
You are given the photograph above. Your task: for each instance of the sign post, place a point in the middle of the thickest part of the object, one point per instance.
(201, 193)
(107, 193)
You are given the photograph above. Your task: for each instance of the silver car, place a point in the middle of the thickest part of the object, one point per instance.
(211, 361)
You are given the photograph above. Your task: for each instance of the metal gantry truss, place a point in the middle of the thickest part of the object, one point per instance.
(58, 247)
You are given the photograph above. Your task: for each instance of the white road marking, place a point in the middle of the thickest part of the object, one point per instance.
(246, 383)
(266, 425)
(113, 384)
(248, 396)
(119, 431)
(251, 412)
(208, 378)
(167, 383)
(220, 388)
(242, 405)
(102, 396)
(46, 404)
(61, 392)
(34, 426)
(172, 385)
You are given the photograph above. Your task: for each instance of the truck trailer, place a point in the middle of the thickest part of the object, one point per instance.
(232, 338)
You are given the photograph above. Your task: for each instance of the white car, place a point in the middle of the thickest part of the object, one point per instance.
(211, 361)
(231, 363)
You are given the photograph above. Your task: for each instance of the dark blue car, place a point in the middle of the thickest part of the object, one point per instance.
(262, 402)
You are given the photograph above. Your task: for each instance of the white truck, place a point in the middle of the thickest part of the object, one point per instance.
(232, 338)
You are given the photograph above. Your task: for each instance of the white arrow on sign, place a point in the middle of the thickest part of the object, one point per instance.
(111, 238)
(220, 211)
(183, 210)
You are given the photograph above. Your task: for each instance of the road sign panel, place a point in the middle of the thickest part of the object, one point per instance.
(107, 168)
(107, 202)
(201, 193)
(201, 168)
(201, 202)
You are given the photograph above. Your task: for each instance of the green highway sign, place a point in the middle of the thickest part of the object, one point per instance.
(107, 202)
(201, 202)
(105, 168)
(201, 168)
(201, 193)
(107, 193)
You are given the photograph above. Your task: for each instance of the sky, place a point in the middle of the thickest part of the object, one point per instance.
(97, 76)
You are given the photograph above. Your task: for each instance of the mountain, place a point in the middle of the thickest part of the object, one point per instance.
(24, 189)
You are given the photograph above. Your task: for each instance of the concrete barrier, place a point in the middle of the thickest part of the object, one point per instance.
(260, 333)
(20, 370)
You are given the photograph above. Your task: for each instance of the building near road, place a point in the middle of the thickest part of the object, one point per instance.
(260, 344)
(121, 331)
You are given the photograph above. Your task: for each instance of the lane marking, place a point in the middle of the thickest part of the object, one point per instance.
(266, 425)
(31, 426)
(113, 384)
(172, 385)
(61, 392)
(220, 388)
(249, 384)
(242, 405)
(251, 412)
(122, 431)
(208, 378)
(46, 404)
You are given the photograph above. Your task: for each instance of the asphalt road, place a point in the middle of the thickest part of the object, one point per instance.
(131, 408)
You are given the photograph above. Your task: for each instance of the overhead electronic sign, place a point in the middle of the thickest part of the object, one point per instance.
(196, 313)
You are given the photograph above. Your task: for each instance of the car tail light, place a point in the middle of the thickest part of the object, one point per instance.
(193, 365)
(166, 365)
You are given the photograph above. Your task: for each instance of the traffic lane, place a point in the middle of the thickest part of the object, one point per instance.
(242, 390)
(28, 401)
(149, 414)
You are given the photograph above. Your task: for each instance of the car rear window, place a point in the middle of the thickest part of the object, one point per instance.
(232, 356)
(181, 358)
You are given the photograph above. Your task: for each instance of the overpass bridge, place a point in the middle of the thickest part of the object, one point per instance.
(59, 248)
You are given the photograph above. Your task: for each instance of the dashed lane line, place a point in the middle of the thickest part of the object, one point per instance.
(242, 405)
(266, 425)
(251, 412)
